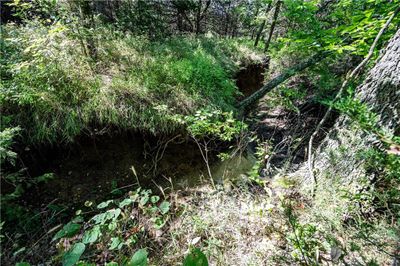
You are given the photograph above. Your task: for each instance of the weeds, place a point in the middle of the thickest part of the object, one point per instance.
(115, 231)
(54, 92)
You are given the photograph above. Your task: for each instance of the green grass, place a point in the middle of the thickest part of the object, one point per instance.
(54, 92)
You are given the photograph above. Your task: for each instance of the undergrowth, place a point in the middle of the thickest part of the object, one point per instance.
(54, 92)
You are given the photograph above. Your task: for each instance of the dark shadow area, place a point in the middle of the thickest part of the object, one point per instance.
(251, 78)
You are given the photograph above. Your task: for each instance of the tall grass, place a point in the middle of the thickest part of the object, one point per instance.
(55, 92)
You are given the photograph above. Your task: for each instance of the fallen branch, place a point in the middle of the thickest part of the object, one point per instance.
(281, 78)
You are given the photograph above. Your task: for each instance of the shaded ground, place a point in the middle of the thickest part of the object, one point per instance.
(229, 220)
(286, 132)
(251, 78)
(95, 167)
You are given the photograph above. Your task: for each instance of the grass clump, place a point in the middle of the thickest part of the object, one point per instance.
(54, 91)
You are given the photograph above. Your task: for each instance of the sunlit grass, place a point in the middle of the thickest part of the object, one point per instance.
(55, 92)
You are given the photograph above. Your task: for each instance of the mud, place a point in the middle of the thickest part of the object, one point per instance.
(106, 166)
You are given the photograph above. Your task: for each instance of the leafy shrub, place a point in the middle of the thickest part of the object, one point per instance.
(214, 123)
(116, 231)
(303, 239)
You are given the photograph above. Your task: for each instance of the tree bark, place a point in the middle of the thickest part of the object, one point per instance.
(260, 30)
(280, 79)
(271, 31)
(201, 14)
(380, 91)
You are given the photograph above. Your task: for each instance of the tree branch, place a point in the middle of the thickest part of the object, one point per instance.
(352, 75)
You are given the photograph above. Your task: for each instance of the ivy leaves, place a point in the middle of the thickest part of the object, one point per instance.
(69, 230)
(195, 258)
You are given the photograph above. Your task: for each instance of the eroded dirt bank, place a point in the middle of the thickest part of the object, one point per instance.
(94, 166)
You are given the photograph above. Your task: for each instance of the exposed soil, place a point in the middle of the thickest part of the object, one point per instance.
(93, 167)
(251, 78)
(286, 132)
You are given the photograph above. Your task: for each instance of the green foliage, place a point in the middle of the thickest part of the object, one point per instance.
(117, 229)
(261, 153)
(141, 17)
(22, 264)
(358, 112)
(44, 73)
(139, 258)
(15, 217)
(365, 118)
(195, 258)
(379, 192)
(374, 206)
(214, 123)
(54, 91)
(69, 230)
(303, 239)
(72, 256)
(6, 141)
(345, 26)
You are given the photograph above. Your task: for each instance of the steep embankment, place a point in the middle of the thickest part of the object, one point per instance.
(54, 91)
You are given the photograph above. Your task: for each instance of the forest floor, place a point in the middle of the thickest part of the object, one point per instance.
(242, 222)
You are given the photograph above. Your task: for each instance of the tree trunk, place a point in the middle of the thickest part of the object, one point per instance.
(280, 79)
(198, 17)
(260, 30)
(262, 26)
(201, 14)
(87, 18)
(380, 91)
(180, 21)
(271, 31)
(227, 19)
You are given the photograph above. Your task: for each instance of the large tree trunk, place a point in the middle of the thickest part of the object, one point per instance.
(380, 91)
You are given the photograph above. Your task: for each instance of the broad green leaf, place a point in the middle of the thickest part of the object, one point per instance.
(125, 202)
(143, 200)
(69, 230)
(104, 204)
(164, 207)
(73, 255)
(116, 243)
(154, 199)
(195, 258)
(112, 226)
(91, 235)
(22, 264)
(100, 218)
(139, 258)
